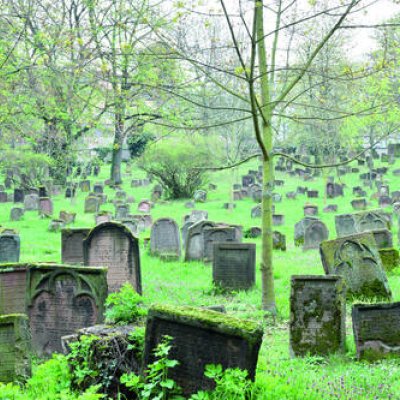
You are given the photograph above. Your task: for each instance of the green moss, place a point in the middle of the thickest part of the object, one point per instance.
(249, 330)
(390, 258)
(10, 318)
(8, 267)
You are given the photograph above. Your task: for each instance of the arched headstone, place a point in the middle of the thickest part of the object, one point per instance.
(165, 238)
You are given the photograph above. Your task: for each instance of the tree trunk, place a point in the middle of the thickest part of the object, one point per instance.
(116, 162)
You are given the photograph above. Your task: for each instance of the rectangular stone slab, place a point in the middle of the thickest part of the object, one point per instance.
(317, 314)
(15, 348)
(376, 330)
(72, 245)
(202, 337)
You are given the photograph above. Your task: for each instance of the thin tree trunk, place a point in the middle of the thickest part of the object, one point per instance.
(116, 162)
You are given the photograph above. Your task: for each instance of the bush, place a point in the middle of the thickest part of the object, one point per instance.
(174, 163)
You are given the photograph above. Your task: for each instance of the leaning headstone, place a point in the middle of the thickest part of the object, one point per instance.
(15, 348)
(165, 239)
(16, 213)
(45, 206)
(67, 217)
(317, 315)
(31, 202)
(184, 231)
(330, 208)
(216, 234)
(202, 337)
(376, 330)
(194, 248)
(112, 245)
(91, 205)
(383, 238)
(72, 245)
(315, 232)
(9, 246)
(356, 258)
(234, 265)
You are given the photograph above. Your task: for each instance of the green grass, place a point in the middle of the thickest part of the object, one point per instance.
(180, 283)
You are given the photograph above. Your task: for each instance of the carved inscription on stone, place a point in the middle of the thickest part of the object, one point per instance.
(72, 245)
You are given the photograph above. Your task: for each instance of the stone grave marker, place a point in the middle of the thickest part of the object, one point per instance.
(184, 231)
(278, 241)
(278, 219)
(98, 188)
(312, 194)
(356, 258)
(256, 195)
(31, 202)
(165, 239)
(237, 195)
(112, 245)
(211, 235)
(67, 217)
(9, 246)
(310, 210)
(56, 225)
(300, 228)
(315, 232)
(84, 186)
(190, 204)
(384, 201)
(200, 196)
(248, 180)
(234, 265)
(131, 224)
(45, 206)
(202, 337)
(317, 315)
(103, 216)
(92, 204)
(3, 197)
(276, 198)
(253, 232)
(16, 213)
(15, 348)
(72, 245)
(256, 211)
(198, 215)
(376, 330)
(194, 248)
(291, 195)
(121, 211)
(383, 238)
(330, 208)
(145, 206)
(19, 195)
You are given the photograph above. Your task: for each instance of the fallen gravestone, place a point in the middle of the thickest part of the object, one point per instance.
(202, 337)
(165, 239)
(317, 315)
(72, 245)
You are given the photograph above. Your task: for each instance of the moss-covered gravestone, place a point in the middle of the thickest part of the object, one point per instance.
(15, 348)
(356, 258)
(376, 330)
(72, 245)
(234, 265)
(113, 245)
(202, 337)
(390, 258)
(317, 314)
(58, 299)
(165, 239)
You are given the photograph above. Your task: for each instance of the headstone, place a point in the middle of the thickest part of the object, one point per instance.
(356, 258)
(253, 232)
(200, 196)
(383, 238)
(390, 258)
(194, 248)
(165, 239)
(276, 198)
(256, 211)
(278, 219)
(330, 208)
(72, 245)
(18, 195)
(220, 234)
(103, 216)
(198, 215)
(184, 231)
(314, 233)
(31, 202)
(84, 186)
(56, 225)
(237, 195)
(234, 265)
(16, 213)
(112, 245)
(67, 217)
(248, 180)
(144, 206)
(3, 197)
(278, 241)
(300, 228)
(121, 211)
(9, 247)
(202, 337)
(310, 210)
(384, 201)
(301, 190)
(43, 191)
(45, 206)
(317, 315)
(15, 348)
(312, 194)
(291, 195)
(376, 329)
(98, 188)
(91, 205)
(68, 193)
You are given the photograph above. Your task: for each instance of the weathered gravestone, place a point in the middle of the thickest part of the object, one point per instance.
(112, 245)
(9, 246)
(248, 180)
(376, 330)
(31, 202)
(165, 239)
(200, 196)
(330, 208)
(84, 186)
(333, 190)
(194, 248)
(3, 197)
(202, 337)
(278, 241)
(72, 245)
(91, 205)
(144, 206)
(45, 206)
(19, 195)
(356, 258)
(253, 232)
(384, 201)
(15, 348)
(314, 233)
(57, 298)
(310, 210)
(211, 235)
(317, 315)
(256, 211)
(198, 215)
(390, 258)
(347, 224)
(121, 211)
(16, 213)
(131, 224)
(184, 231)
(98, 188)
(312, 194)
(56, 225)
(103, 216)
(278, 219)
(234, 265)
(67, 217)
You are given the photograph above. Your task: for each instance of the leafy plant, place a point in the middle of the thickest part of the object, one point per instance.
(124, 307)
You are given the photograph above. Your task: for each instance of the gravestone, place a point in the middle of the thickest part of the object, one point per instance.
(312, 194)
(291, 195)
(190, 204)
(98, 188)
(43, 191)
(376, 330)
(16, 213)
(9, 246)
(200, 196)
(383, 238)
(317, 315)
(67, 217)
(315, 232)
(202, 337)
(330, 208)
(144, 206)
(248, 180)
(31, 202)
(121, 211)
(234, 265)
(253, 232)
(92, 204)
(156, 193)
(278, 219)
(131, 224)
(15, 348)
(220, 234)
(278, 241)
(198, 215)
(56, 225)
(310, 210)
(165, 239)
(184, 231)
(384, 201)
(300, 228)
(256, 195)
(112, 245)
(45, 206)
(194, 248)
(333, 190)
(276, 198)
(84, 186)
(356, 258)
(120, 195)
(3, 197)
(256, 211)
(68, 193)
(103, 216)
(18, 195)
(237, 195)
(72, 245)
(301, 190)
(390, 258)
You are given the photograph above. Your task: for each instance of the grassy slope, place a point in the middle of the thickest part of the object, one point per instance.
(190, 284)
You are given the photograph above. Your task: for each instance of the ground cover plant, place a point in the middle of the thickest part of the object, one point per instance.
(190, 283)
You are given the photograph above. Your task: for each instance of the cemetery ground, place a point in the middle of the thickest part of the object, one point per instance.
(190, 283)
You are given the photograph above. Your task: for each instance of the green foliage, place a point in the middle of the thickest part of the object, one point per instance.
(155, 385)
(124, 306)
(137, 144)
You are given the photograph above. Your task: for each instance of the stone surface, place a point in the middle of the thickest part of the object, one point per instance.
(9, 246)
(121, 211)
(194, 248)
(278, 241)
(359, 204)
(144, 206)
(16, 213)
(221, 234)
(390, 258)
(15, 348)
(314, 233)
(356, 258)
(112, 245)
(317, 315)
(19, 195)
(165, 239)
(200, 196)
(72, 245)
(45, 206)
(310, 210)
(202, 337)
(92, 204)
(376, 330)
(31, 202)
